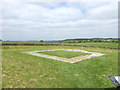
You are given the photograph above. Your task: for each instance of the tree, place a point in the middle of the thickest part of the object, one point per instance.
(95, 40)
(79, 41)
(41, 41)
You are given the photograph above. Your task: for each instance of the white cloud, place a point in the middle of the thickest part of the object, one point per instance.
(35, 21)
(103, 12)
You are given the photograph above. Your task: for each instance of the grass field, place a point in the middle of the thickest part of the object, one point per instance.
(95, 44)
(65, 54)
(22, 70)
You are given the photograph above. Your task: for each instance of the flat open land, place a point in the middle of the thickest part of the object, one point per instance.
(22, 70)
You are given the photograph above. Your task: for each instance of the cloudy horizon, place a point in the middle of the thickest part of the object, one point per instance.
(59, 20)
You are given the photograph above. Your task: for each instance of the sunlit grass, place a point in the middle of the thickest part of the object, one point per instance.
(22, 70)
(65, 54)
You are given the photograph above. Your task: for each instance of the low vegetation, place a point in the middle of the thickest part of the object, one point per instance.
(22, 70)
(65, 54)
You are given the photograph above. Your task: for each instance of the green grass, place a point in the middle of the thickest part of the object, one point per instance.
(88, 44)
(65, 54)
(95, 44)
(21, 70)
(25, 42)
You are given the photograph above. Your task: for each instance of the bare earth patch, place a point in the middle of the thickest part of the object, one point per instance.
(71, 60)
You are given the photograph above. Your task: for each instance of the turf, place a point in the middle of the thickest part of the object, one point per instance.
(65, 54)
(20, 70)
(107, 45)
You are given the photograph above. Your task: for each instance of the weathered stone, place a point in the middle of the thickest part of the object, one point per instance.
(71, 60)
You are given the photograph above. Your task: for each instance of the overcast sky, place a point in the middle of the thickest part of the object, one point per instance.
(60, 20)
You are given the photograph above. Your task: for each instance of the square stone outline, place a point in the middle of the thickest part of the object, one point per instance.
(71, 60)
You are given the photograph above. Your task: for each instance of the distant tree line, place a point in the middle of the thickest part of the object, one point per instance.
(95, 40)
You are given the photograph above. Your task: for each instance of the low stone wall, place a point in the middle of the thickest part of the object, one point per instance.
(71, 60)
